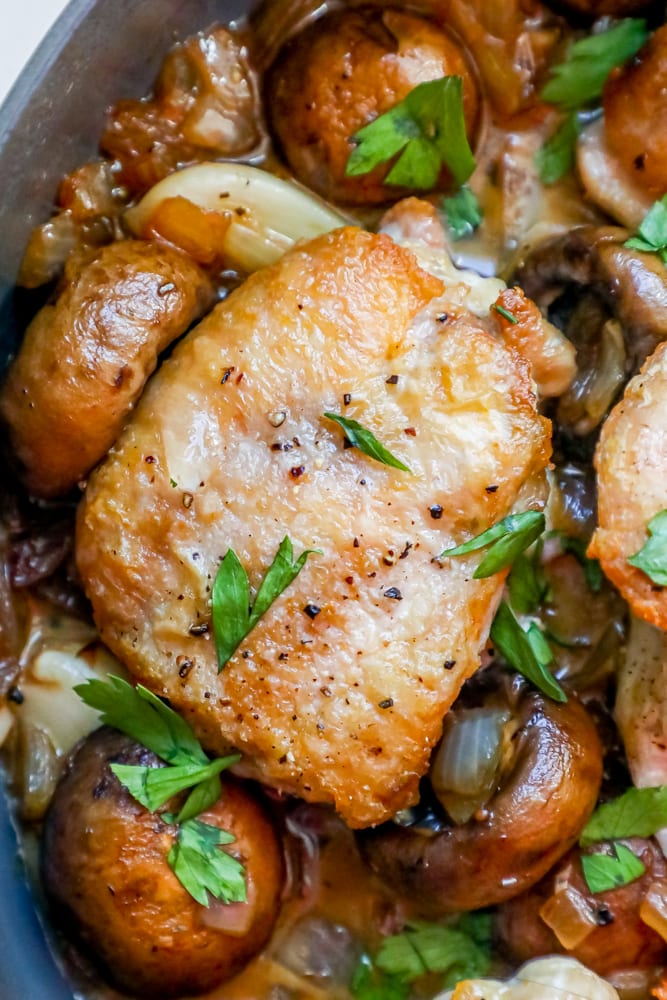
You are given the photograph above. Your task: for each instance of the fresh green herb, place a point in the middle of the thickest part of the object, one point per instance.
(141, 715)
(639, 812)
(233, 617)
(611, 871)
(464, 214)
(202, 868)
(579, 80)
(652, 233)
(526, 583)
(153, 786)
(517, 647)
(173, 483)
(365, 441)
(370, 983)
(507, 539)
(652, 557)
(557, 156)
(427, 128)
(505, 313)
(460, 953)
(592, 569)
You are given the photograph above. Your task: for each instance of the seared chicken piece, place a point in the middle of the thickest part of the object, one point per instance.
(85, 359)
(338, 694)
(631, 459)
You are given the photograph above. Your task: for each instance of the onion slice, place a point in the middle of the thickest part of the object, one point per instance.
(267, 215)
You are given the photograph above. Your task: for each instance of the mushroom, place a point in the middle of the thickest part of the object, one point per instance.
(547, 788)
(85, 359)
(105, 871)
(604, 930)
(612, 303)
(343, 71)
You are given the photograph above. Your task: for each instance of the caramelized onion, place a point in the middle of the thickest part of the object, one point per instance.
(569, 915)
(653, 910)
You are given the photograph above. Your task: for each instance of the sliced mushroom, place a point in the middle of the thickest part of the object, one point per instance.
(612, 303)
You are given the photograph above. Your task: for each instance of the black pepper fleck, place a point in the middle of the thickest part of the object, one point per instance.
(198, 629)
(226, 375)
(490, 489)
(387, 703)
(296, 471)
(394, 594)
(392, 380)
(312, 610)
(15, 695)
(347, 398)
(449, 664)
(435, 511)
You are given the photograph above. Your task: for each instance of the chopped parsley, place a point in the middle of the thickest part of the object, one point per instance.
(652, 557)
(464, 213)
(427, 128)
(652, 233)
(504, 540)
(639, 812)
(363, 439)
(611, 871)
(233, 616)
(578, 81)
(557, 156)
(527, 652)
(194, 858)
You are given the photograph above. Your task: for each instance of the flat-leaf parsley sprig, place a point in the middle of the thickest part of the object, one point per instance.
(233, 616)
(195, 858)
(638, 812)
(504, 542)
(427, 128)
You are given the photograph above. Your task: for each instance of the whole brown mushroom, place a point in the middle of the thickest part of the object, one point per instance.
(548, 789)
(342, 72)
(614, 937)
(105, 871)
(85, 359)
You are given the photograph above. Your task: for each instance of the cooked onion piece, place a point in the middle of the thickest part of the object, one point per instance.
(266, 215)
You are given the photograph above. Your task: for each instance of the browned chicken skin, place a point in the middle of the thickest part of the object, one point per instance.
(620, 941)
(85, 360)
(341, 73)
(229, 448)
(635, 108)
(104, 863)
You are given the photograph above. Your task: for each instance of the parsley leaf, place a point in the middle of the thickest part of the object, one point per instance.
(202, 868)
(429, 948)
(652, 557)
(610, 871)
(370, 983)
(580, 78)
(140, 714)
(233, 618)
(508, 538)
(652, 233)
(519, 649)
(464, 214)
(427, 128)
(363, 439)
(526, 583)
(557, 156)
(639, 812)
(152, 786)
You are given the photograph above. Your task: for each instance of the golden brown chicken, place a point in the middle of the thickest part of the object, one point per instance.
(338, 694)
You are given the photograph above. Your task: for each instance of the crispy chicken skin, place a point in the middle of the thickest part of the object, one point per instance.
(631, 459)
(84, 360)
(342, 706)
